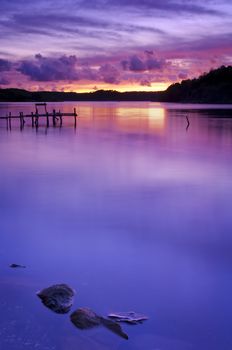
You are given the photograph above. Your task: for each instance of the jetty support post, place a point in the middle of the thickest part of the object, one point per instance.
(10, 120)
(7, 122)
(75, 117)
(32, 119)
(61, 120)
(54, 117)
(36, 118)
(47, 116)
(21, 120)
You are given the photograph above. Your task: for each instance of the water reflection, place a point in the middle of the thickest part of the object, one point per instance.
(131, 211)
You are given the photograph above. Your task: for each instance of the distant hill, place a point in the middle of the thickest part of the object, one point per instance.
(18, 95)
(213, 87)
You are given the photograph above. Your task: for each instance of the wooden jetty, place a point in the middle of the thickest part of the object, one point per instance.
(34, 117)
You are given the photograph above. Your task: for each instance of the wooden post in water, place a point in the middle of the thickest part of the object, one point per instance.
(54, 117)
(61, 120)
(75, 117)
(10, 120)
(32, 119)
(188, 123)
(47, 116)
(36, 118)
(7, 121)
(21, 120)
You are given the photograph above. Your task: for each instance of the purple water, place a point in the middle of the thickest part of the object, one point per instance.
(131, 210)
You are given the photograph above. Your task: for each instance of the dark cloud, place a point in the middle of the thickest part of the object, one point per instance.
(5, 65)
(153, 63)
(87, 73)
(109, 73)
(138, 64)
(50, 69)
(65, 68)
(145, 82)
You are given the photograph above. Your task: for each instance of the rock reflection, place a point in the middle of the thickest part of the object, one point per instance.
(85, 318)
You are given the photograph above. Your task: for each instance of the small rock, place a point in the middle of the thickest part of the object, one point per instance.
(58, 298)
(17, 266)
(85, 318)
(128, 317)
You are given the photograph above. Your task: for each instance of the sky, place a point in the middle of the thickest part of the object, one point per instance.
(77, 45)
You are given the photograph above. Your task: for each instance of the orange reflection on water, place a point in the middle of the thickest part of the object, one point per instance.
(141, 118)
(157, 118)
(136, 117)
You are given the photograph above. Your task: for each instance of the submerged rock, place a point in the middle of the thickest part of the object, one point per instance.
(128, 317)
(85, 318)
(17, 266)
(58, 298)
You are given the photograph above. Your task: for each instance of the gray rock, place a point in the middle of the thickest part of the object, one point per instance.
(85, 318)
(58, 298)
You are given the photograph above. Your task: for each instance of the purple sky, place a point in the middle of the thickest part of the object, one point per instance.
(125, 44)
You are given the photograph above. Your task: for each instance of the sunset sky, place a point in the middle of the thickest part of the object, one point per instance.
(75, 45)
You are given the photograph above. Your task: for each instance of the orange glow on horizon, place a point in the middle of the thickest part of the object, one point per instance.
(89, 87)
(122, 87)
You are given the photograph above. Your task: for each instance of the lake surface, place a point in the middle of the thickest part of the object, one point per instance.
(131, 210)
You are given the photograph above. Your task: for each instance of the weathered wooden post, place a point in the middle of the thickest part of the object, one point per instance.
(36, 118)
(61, 120)
(188, 123)
(21, 120)
(10, 120)
(32, 119)
(54, 117)
(47, 116)
(75, 117)
(7, 121)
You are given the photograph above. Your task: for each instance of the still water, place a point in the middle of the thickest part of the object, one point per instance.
(131, 210)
